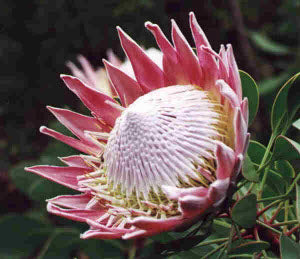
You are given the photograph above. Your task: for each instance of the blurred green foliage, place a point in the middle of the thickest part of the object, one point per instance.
(38, 37)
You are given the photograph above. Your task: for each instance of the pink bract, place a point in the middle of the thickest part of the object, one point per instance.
(164, 143)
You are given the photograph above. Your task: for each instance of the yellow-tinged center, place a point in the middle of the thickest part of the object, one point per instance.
(166, 137)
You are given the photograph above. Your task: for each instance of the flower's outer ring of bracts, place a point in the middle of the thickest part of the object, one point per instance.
(162, 202)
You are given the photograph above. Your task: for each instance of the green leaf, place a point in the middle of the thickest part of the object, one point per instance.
(200, 251)
(163, 237)
(39, 214)
(59, 244)
(188, 243)
(282, 108)
(21, 178)
(268, 45)
(181, 244)
(174, 257)
(285, 149)
(270, 84)
(250, 90)
(256, 151)
(95, 248)
(249, 171)
(43, 189)
(276, 183)
(298, 202)
(244, 211)
(64, 242)
(22, 235)
(250, 247)
(296, 124)
(6, 256)
(288, 248)
(220, 229)
(36, 187)
(285, 169)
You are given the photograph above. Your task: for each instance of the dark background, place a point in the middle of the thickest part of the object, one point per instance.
(38, 37)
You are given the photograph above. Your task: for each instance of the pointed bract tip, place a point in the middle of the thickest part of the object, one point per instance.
(30, 168)
(107, 64)
(104, 61)
(122, 34)
(175, 27)
(51, 108)
(79, 56)
(207, 49)
(69, 63)
(68, 78)
(42, 129)
(193, 20)
(49, 207)
(54, 110)
(62, 76)
(149, 24)
(192, 15)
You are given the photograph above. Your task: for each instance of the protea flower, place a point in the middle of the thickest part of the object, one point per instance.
(165, 151)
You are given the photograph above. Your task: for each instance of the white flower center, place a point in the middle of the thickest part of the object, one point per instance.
(167, 136)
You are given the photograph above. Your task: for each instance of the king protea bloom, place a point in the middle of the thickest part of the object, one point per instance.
(162, 153)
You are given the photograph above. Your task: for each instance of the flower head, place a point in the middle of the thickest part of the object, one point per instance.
(165, 151)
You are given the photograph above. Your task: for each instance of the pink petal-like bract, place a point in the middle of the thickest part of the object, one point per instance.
(165, 141)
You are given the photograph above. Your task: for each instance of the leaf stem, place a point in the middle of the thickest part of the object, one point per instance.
(268, 227)
(237, 231)
(262, 164)
(259, 213)
(215, 241)
(268, 149)
(285, 223)
(230, 239)
(292, 230)
(213, 251)
(245, 256)
(258, 239)
(250, 188)
(293, 184)
(286, 214)
(242, 184)
(240, 255)
(276, 213)
(222, 223)
(273, 198)
(132, 250)
(221, 253)
(46, 245)
(260, 169)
